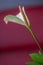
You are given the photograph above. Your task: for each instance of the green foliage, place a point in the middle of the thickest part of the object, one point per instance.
(37, 59)
(32, 63)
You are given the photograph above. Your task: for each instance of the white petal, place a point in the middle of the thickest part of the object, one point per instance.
(20, 16)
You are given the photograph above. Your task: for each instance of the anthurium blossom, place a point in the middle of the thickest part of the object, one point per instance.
(21, 18)
(16, 18)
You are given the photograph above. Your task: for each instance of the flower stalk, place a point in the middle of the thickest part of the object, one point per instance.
(29, 28)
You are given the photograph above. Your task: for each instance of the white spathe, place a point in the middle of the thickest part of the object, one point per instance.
(14, 19)
(17, 19)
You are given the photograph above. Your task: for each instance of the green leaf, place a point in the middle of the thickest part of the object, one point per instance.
(37, 57)
(33, 63)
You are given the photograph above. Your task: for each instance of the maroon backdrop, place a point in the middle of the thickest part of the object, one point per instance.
(16, 37)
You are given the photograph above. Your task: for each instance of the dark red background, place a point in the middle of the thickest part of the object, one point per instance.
(15, 37)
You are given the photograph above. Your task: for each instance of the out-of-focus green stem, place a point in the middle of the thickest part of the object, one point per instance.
(35, 38)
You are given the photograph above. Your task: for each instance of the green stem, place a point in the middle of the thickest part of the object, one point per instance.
(29, 28)
(35, 38)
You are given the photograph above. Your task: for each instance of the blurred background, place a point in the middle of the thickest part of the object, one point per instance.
(5, 4)
(16, 42)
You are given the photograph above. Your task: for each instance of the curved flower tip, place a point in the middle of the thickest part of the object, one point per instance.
(5, 19)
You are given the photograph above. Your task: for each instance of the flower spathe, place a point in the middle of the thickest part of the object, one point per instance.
(16, 18)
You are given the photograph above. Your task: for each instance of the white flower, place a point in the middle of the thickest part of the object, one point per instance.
(17, 19)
